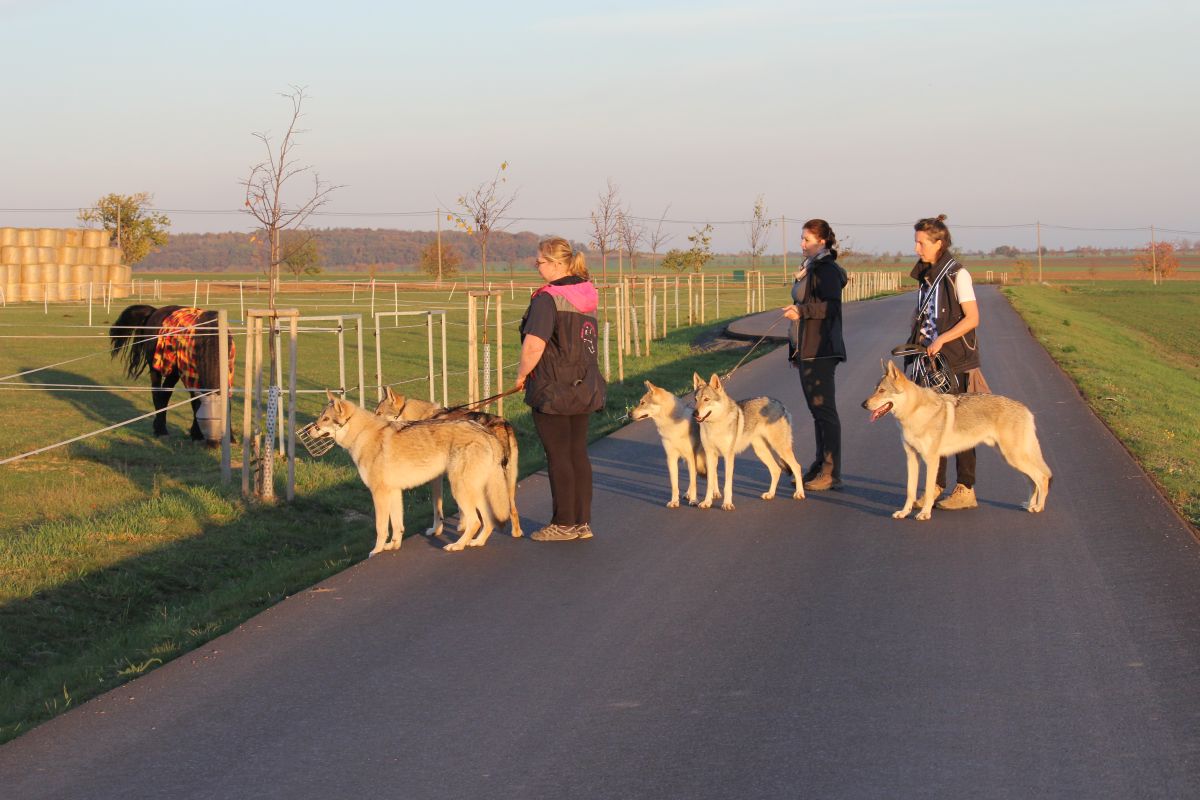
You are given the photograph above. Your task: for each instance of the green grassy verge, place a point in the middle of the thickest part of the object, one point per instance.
(1132, 350)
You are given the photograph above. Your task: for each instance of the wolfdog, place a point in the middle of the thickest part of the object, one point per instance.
(680, 438)
(391, 459)
(727, 427)
(935, 425)
(398, 408)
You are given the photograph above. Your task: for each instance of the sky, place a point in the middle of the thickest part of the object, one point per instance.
(868, 114)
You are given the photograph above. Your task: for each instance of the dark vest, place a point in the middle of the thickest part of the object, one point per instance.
(567, 379)
(962, 354)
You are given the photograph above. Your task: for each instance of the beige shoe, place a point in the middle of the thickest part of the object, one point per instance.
(937, 492)
(961, 497)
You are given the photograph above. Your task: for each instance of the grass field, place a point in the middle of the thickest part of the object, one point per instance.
(1132, 350)
(121, 552)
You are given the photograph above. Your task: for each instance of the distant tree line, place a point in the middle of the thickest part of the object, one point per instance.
(341, 249)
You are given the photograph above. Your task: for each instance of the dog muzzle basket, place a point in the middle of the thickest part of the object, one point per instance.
(317, 444)
(930, 371)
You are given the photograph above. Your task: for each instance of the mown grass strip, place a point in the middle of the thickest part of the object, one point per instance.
(1132, 350)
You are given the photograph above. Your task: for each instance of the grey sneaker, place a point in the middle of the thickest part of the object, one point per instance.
(555, 533)
(584, 531)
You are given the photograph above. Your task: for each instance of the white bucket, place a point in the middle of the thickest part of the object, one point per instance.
(210, 419)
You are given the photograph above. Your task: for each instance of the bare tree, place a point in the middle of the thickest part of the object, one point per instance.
(605, 225)
(630, 234)
(265, 193)
(482, 211)
(758, 230)
(657, 238)
(265, 202)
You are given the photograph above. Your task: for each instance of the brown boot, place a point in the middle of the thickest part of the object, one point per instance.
(961, 497)
(822, 482)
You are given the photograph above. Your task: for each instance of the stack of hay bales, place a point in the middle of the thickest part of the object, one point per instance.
(50, 264)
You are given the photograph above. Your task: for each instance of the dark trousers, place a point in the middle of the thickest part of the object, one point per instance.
(564, 438)
(816, 378)
(964, 462)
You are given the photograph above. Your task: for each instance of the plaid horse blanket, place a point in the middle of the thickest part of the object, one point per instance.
(176, 347)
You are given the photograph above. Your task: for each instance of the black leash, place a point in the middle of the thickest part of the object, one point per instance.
(751, 350)
(484, 401)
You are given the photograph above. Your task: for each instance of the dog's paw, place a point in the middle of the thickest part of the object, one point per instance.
(924, 515)
(768, 495)
(705, 504)
(375, 552)
(798, 494)
(433, 531)
(901, 514)
(672, 504)
(727, 505)
(454, 547)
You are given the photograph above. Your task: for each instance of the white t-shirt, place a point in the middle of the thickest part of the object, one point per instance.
(964, 287)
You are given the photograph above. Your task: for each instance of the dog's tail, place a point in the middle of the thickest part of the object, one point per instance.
(496, 493)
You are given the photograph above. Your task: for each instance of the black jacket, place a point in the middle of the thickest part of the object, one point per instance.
(818, 297)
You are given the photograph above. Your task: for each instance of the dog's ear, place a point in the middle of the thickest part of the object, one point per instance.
(697, 381)
(715, 382)
(330, 395)
(389, 395)
(649, 386)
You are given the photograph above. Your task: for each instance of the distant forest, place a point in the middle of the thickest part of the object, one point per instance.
(342, 250)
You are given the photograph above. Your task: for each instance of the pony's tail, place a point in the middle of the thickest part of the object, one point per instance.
(124, 332)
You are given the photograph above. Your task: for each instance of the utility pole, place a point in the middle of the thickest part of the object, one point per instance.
(439, 245)
(783, 228)
(1153, 258)
(1039, 246)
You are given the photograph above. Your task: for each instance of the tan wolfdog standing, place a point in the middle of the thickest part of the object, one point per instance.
(391, 459)
(398, 408)
(680, 435)
(935, 425)
(727, 427)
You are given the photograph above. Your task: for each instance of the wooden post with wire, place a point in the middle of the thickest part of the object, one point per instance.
(473, 389)
(223, 396)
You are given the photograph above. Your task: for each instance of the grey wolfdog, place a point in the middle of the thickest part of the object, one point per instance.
(680, 434)
(398, 408)
(391, 459)
(727, 427)
(935, 425)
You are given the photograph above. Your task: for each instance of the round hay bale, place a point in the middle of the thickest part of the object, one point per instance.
(26, 237)
(95, 238)
(100, 274)
(50, 291)
(31, 283)
(12, 273)
(72, 237)
(121, 276)
(86, 255)
(8, 237)
(10, 254)
(108, 256)
(67, 254)
(80, 275)
(48, 237)
(29, 255)
(47, 255)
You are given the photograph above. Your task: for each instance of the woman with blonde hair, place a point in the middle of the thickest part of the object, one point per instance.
(560, 374)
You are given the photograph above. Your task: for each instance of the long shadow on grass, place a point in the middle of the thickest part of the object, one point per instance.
(93, 632)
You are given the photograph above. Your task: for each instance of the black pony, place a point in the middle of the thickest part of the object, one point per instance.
(175, 343)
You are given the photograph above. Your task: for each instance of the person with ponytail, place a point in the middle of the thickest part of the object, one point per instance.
(560, 374)
(946, 322)
(816, 347)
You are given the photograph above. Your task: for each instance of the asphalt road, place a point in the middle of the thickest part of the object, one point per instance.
(812, 648)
